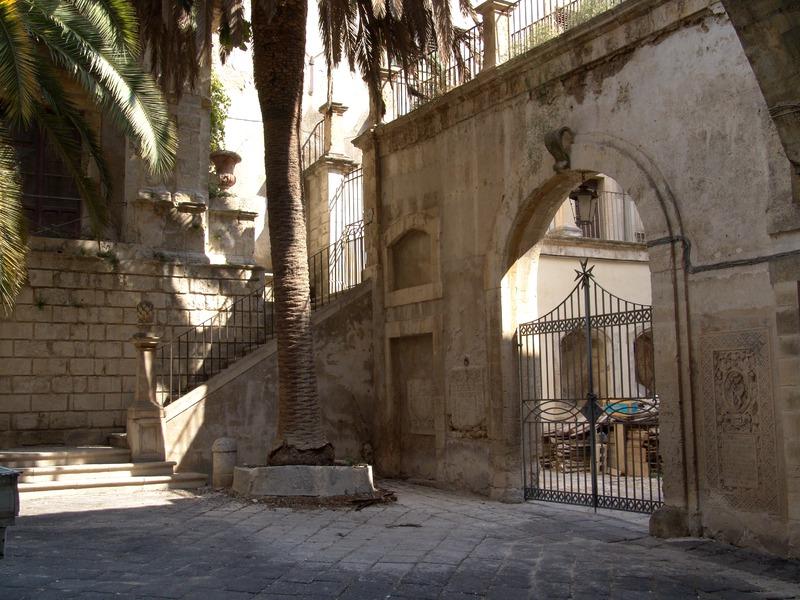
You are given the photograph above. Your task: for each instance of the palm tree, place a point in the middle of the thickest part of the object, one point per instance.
(359, 31)
(43, 43)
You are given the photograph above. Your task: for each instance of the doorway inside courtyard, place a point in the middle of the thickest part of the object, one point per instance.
(588, 397)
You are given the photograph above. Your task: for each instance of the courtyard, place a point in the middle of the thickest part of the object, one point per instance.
(129, 544)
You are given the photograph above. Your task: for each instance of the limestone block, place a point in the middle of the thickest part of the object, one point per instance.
(61, 349)
(81, 366)
(30, 421)
(301, 480)
(79, 404)
(26, 384)
(49, 402)
(15, 366)
(16, 331)
(49, 366)
(16, 403)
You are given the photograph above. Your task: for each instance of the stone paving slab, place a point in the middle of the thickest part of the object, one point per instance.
(431, 544)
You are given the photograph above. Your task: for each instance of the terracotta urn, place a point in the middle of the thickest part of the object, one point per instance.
(225, 162)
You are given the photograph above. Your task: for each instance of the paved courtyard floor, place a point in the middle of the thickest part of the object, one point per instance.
(430, 544)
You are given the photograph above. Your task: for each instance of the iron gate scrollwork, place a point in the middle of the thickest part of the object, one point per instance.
(589, 402)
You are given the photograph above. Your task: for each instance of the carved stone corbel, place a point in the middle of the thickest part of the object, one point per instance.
(558, 143)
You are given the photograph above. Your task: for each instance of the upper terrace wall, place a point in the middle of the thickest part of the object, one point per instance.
(661, 98)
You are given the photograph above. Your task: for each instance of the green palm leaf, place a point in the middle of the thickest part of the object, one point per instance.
(13, 247)
(115, 80)
(17, 63)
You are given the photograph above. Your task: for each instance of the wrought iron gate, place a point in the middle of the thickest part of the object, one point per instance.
(589, 402)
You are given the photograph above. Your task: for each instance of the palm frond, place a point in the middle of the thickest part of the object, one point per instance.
(72, 138)
(13, 246)
(177, 36)
(362, 32)
(17, 64)
(115, 81)
(113, 20)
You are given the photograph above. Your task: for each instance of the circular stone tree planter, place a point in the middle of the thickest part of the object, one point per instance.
(303, 480)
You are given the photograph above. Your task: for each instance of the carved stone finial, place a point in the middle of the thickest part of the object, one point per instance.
(559, 143)
(145, 312)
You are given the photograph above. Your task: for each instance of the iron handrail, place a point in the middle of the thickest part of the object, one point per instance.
(200, 352)
(314, 146)
(347, 205)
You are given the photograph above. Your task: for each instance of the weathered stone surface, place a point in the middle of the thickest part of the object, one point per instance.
(303, 480)
(429, 544)
(241, 402)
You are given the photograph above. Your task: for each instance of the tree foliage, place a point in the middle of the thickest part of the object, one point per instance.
(93, 43)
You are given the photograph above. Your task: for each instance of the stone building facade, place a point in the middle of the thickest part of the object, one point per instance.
(645, 90)
(419, 365)
(68, 367)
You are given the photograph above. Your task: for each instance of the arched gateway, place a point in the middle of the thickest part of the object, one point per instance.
(646, 93)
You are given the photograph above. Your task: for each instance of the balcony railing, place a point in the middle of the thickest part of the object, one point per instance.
(435, 75)
(314, 146)
(615, 218)
(347, 205)
(534, 22)
(199, 353)
(523, 26)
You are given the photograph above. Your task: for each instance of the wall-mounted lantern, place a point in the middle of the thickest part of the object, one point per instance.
(584, 204)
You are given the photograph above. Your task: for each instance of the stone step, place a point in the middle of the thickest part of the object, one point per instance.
(182, 481)
(95, 472)
(51, 456)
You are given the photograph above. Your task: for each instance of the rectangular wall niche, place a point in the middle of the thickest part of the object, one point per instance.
(415, 401)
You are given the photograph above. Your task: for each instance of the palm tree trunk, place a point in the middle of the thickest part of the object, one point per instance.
(279, 41)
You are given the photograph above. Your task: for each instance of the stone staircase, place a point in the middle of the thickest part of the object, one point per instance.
(46, 469)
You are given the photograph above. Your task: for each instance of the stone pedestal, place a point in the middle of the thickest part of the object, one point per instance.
(302, 480)
(496, 32)
(145, 424)
(334, 132)
(146, 433)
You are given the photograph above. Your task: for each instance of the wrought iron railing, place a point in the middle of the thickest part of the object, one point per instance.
(534, 22)
(531, 23)
(435, 75)
(314, 146)
(199, 353)
(347, 205)
(338, 267)
(614, 218)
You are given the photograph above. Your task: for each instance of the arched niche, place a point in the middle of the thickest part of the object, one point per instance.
(411, 255)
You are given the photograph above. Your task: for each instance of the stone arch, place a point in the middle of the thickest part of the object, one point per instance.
(519, 227)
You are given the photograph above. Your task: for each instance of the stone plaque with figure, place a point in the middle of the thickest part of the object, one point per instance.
(466, 399)
(739, 420)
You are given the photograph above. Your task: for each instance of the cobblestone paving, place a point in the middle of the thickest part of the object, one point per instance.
(430, 544)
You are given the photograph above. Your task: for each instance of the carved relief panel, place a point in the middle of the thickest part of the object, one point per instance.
(739, 420)
(466, 401)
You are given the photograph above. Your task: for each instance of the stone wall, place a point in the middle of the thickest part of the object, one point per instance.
(241, 402)
(646, 90)
(67, 371)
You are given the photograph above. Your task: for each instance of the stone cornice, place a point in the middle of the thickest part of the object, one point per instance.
(626, 27)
